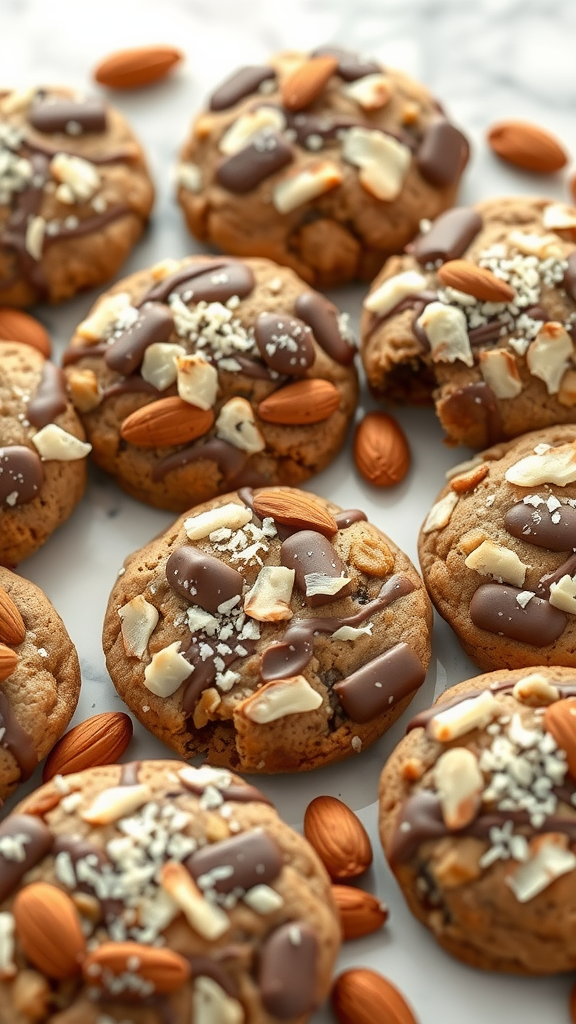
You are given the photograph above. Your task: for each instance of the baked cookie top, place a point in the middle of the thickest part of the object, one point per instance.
(478, 819)
(270, 629)
(144, 890)
(42, 451)
(325, 162)
(201, 375)
(39, 679)
(483, 310)
(75, 193)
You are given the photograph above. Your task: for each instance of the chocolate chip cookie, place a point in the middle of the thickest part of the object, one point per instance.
(269, 629)
(478, 823)
(201, 375)
(75, 194)
(480, 315)
(325, 162)
(172, 890)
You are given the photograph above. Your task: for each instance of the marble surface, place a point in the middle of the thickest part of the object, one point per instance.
(487, 61)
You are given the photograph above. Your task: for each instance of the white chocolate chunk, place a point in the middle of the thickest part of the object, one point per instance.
(559, 217)
(352, 632)
(34, 239)
(372, 92)
(447, 332)
(269, 598)
(541, 246)
(297, 189)
(55, 443)
(318, 583)
(263, 899)
(394, 290)
(139, 620)
(292, 696)
(102, 321)
(7, 931)
(535, 690)
(563, 594)
(78, 174)
(229, 516)
(189, 176)
(383, 161)
(212, 1005)
(115, 803)
(197, 381)
(550, 859)
(244, 130)
(17, 100)
(206, 775)
(459, 783)
(159, 364)
(474, 713)
(500, 371)
(236, 425)
(205, 918)
(490, 559)
(167, 671)
(441, 513)
(552, 466)
(548, 355)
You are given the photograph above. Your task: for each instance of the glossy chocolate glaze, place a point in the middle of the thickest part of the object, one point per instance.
(50, 398)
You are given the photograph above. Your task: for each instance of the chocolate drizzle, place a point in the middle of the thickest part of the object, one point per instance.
(230, 460)
(568, 568)
(322, 316)
(236, 792)
(38, 844)
(16, 741)
(50, 398)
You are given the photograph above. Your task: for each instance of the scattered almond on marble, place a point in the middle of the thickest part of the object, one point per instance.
(142, 65)
(163, 969)
(361, 996)
(527, 146)
(360, 912)
(294, 509)
(18, 326)
(101, 739)
(381, 451)
(338, 836)
(479, 282)
(12, 628)
(306, 401)
(166, 422)
(305, 84)
(49, 930)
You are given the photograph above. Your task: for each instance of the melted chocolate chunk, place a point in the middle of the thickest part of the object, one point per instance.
(322, 316)
(485, 334)
(442, 154)
(50, 398)
(202, 677)
(285, 343)
(16, 741)
(202, 579)
(54, 114)
(161, 291)
(245, 169)
(21, 474)
(554, 530)
(136, 384)
(567, 568)
(319, 126)
(287, 970)
(253, 858)
(78, 352)
(217, 283)
(351, 66)
(375, 687)
(494, 608)
(569, 281)
(242, 793)
(229, 459)
(154, 324)
(203, 965)
(349, 516)
(242, 83)
(309, 552)
(35, 841)
(449, 237)
(472, 405)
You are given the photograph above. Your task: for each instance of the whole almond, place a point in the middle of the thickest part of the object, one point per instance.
(528, 146)
(166, 422)
(306, 401)
(292, 508)
(360, 912)
(101, 739)
(12, 628)
(381, 451)
(338, 836)
(8, 662)
(560, 721)
(476, 281)
(306, 83)
(165, 970)
(361, 996)
(49, 930)
(18, 326)
(130, 69)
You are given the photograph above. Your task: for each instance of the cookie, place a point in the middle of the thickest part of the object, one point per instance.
(42, 451)
(75, 194)
(480, 316)
(477, 820)
(172, 890)
(39, 679)
(201, 375)
(497, 552)
(325, 162)
(269, 629)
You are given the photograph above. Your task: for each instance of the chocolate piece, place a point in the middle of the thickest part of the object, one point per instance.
(136, 384)
(351, 66)
(486, 333)
(285, 343)
(204, 966)
(229, 459)
(217, 284)
(160, 292)
(21, 474)
(323, 126)
(202, 677)
(472, 404)
(420, 721)
(554, 530)
(245, 169)
(377, 685)
(50, 398)
(442, 154)
(53, 114)
(202, 579)
(242, 793)
(16, 741)
(449, 237)
(243, 82)
(322, 316)
(309, 552)
(254, 858)
(78, 352)
(569, 281)
(154, 324)
(287, 970)
(567, 568)
(36, 843)
(494, 608)
(349, 516)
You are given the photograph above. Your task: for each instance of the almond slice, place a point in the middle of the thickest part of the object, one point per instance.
(528, 146)
(306, 401)
(141, 65)
(477, 281)
(294, 508)
(101, 739)
(18, 326)
(168, 421)
(305, 84)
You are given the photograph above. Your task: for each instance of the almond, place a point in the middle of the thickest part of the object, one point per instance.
(18, 326)
(101, 739)
(560, 721)
(338, 836)
(528, 146)
(306, 83)
(361, 996)
(166, 422)
(142, 65)
(306, 401)
(165, 970)
(476, 281)
(468, 481)
(48, 927)
(41, 801)
(294, 508)
(8, 662)
(360, 912)
(381, 450)
(12, 628)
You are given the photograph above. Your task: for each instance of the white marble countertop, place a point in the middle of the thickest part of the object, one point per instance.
(487, 61)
